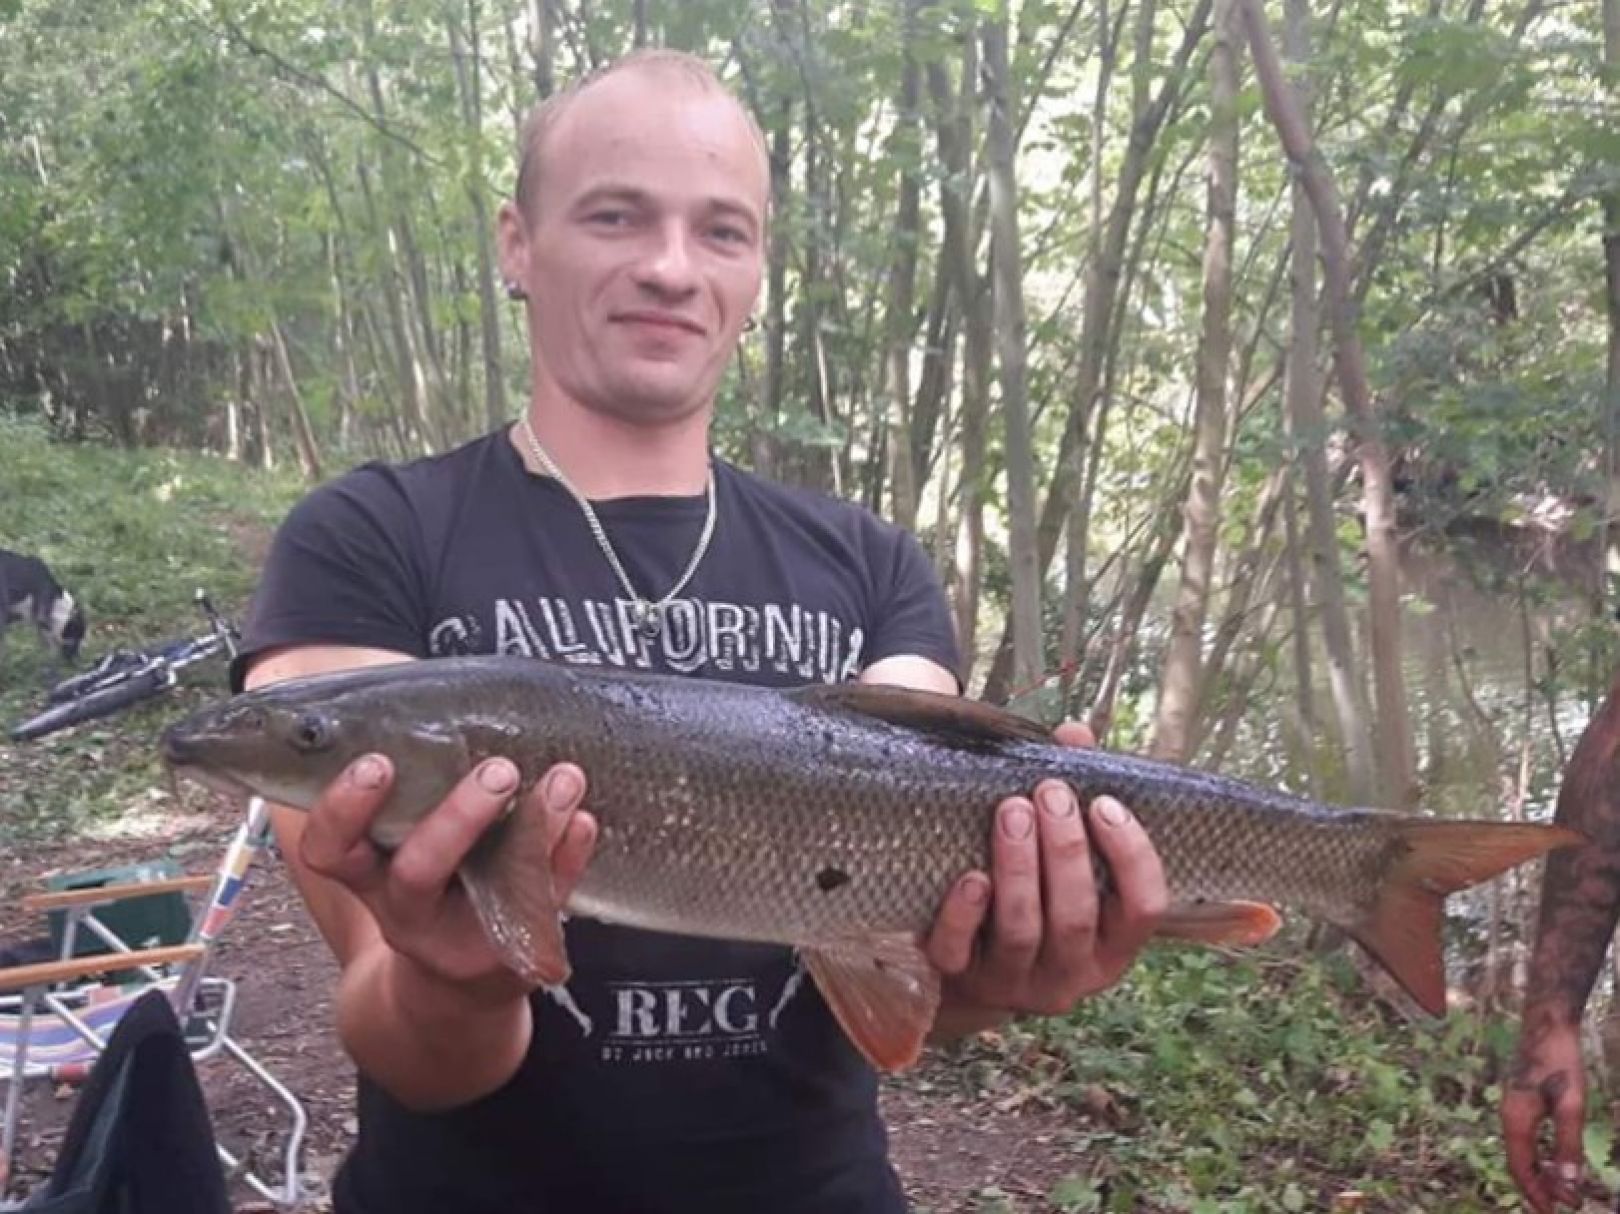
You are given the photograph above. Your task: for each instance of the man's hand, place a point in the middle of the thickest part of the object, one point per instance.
(1052, 940)
(1548, 1084)
(421, 910)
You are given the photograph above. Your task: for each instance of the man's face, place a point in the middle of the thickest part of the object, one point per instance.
(643, 251)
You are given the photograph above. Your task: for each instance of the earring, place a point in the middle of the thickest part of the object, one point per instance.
(750, 325)
(515, 291)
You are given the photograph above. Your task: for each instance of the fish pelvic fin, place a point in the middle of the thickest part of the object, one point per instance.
(1233, 923)
(507, 876)
(883, 992)
(1436, 858)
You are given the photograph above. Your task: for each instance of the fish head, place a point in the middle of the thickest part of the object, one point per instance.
(282, 750)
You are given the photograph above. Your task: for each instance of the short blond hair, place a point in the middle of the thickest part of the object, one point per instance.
(542, 119)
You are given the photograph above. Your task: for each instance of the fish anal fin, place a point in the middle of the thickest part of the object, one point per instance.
(1434, 858)
(1233, 923)
(954, 719)
(507, 877)
(883, 992)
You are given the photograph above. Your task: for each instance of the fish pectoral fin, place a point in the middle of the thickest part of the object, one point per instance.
(507, 876)
(1236, 923)
(953, 719)
(1434, 858)
(883, 992)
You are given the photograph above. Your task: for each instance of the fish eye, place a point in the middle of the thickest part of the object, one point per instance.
(311, 732)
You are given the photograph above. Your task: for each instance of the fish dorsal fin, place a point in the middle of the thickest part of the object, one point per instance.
(883, 992)
(507, 876)
(954, 719)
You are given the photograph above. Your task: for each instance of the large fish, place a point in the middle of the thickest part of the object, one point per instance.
(829, 818)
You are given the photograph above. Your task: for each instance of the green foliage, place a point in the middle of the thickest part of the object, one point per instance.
(1266, 1085)
(132, 535)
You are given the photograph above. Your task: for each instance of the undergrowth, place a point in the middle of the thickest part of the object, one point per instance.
(132, 534)
(1264, 1084)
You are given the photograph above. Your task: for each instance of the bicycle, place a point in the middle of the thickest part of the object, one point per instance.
(125, 677)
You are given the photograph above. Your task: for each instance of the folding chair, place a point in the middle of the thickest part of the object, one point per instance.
(59, 1023)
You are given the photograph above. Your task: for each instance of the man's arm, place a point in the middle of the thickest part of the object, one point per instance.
(425, 1006)
(1580, 903)
(1052, 941)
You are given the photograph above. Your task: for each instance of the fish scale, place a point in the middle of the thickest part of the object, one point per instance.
(831, 818)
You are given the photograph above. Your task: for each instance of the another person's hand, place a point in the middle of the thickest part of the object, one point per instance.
(1052, 940)
(1548, 1084)
(420, 907)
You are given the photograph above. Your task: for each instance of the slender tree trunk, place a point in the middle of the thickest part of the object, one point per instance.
(904, 487)
(1300, 713)
(544, 27)
(953, 117)
(1179, 683)
(1610, 536)
(1287, 114)
(309, 456)
(469, 83)
(1102, 284)
(1007, 279)
(1077, 533)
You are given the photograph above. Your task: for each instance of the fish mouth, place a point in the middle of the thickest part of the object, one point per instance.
(219, 781)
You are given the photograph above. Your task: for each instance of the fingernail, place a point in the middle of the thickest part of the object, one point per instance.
(1057, 800)
(497, 776)
(1111, 811)
(976, 890)
(367, 773)
(1567, 1172)
(1017, 822)
(562, 787)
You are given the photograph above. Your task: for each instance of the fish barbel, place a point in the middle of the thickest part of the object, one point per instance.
(831, 818)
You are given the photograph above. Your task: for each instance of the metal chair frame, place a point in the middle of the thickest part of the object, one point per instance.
(56, 1000)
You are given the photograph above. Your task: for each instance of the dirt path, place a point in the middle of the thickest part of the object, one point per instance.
(958, 1149)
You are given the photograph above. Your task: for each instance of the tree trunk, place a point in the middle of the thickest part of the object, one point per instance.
(309, 456)
(1179, 684)
(953, 118)
(544, 28)
(1398, 787)
(1008, 284)
(904, 486)
(1611, 381)
(1102, 282)
(469, 83)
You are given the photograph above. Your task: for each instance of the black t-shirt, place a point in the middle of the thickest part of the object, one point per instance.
(674, 1074)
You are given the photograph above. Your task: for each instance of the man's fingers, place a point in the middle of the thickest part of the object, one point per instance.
(560, 792)
(1015, 875)
(1521, 1114)
(433, 851)
(572, 853)
(1074, 733)
(1140, 896)
(1069, 887)
(956, 927)
(1569, 1148)
(334, 841)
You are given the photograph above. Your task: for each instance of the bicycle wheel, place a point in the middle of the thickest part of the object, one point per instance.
(113, 668)
(97, 704)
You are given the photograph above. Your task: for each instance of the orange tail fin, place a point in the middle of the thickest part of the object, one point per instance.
(1403, 932)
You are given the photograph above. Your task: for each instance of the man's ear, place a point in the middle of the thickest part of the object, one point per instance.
(512, 237)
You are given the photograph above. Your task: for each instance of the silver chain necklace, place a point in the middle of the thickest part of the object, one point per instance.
(647, 615)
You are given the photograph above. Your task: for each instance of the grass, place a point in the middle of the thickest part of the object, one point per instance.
(1266, 1084)
(133, 534)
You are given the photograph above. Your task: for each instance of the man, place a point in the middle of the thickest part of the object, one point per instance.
(671, 1074)
(1580, 903)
